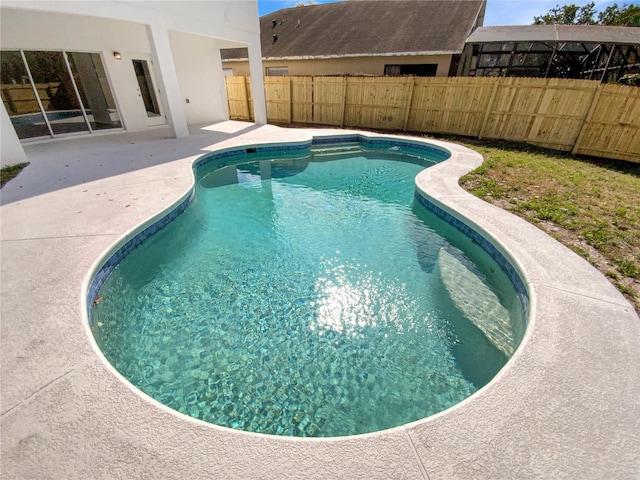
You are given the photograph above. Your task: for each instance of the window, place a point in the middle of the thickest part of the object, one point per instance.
(145, 85)
(419, 70)
(48, 93)
(20, 99)
(93, 88)
(277, 71)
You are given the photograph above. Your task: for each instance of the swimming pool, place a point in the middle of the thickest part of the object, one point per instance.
(302, 335)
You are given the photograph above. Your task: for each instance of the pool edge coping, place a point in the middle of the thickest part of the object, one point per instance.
(185, 199)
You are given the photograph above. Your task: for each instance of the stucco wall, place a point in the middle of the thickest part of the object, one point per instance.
(42, 31)
(232, 20)
(11, 149)
(199, 70)
(345, 66)
(187, 36)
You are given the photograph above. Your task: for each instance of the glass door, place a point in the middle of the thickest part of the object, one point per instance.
(19, 97)
(93, 88)
(56, 91)
(147, 91)
(49, 93)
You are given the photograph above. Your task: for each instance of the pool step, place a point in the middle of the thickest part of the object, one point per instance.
(474, 298)
(336, 149)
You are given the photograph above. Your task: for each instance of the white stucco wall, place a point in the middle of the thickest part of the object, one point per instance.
(11, 151)
(199, 70)
(31, 30)
(183, 37)
(234, 20)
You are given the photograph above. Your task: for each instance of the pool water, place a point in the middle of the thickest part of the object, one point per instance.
(308, 296)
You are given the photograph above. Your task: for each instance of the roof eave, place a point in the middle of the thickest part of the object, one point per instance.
(353, 55)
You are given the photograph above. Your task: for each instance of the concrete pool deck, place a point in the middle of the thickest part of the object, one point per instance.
(567, 405)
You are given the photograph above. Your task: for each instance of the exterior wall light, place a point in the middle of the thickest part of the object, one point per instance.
(117, 55)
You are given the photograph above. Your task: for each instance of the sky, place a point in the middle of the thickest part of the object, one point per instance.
(499, 12)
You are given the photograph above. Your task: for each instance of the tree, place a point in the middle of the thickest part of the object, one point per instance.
(568, 15)
(627, 15)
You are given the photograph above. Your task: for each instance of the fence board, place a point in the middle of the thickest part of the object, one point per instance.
(238, 98)
(581, 116)
(614, 128)
(277, 92)
(546, 112)
(329, 100)
(377, 102)
(302, 99)
(449, 105)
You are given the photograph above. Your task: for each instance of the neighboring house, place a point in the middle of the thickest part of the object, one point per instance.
(364, 37)
(608, 54)
(86, 67)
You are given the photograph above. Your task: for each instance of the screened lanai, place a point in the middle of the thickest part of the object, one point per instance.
(607, 54)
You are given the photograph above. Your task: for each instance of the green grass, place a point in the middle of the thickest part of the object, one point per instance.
(590, 205)
(10, 171)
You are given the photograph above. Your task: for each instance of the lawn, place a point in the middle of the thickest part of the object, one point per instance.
(10, 171)
(590, 205)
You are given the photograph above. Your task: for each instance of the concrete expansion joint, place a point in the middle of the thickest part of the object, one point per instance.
(61, 237)
(623, 304)
(44, 387)
(157, 179)
(425, 475)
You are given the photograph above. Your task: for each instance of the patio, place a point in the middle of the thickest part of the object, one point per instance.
(566, 405)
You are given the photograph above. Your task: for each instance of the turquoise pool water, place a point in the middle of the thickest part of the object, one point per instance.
(309, 296)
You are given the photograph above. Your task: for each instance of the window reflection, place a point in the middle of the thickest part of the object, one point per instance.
(62, 97)
(91, 80)
(56, 92)
(19, 99)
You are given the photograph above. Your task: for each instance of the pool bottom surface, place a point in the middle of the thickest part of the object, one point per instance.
(308, 301)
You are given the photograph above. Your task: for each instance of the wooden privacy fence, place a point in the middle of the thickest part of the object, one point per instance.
(578, 116)
(19, 98)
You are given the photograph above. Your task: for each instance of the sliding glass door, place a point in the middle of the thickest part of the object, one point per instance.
(49, 93)
(93, 87)
(57, 96)
(19, 97)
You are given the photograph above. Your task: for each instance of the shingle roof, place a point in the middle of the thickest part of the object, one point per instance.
(556, 33)
(366, 27)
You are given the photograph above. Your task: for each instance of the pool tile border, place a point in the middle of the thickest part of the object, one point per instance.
(245, 150)
(506, 266)
(116, 257)
(153, 227)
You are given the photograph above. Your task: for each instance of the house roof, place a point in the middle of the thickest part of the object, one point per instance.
(366, 27)
(556, 33)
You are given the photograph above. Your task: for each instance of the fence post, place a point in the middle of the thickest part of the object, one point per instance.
(483, 127)
(290, 100)
(313, 99)
(587, 119)
(409, 102)
(344, 99)
(246, 96)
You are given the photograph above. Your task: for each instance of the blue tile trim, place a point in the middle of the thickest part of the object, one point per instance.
(212, 157)
(486, 245)
(439, 153)
(114, 260)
